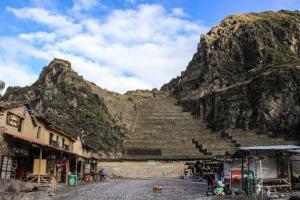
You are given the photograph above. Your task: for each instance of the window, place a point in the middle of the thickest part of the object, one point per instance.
(63, 142)
(38, 134)
(51, 138)
(20, 126)
(58, 141)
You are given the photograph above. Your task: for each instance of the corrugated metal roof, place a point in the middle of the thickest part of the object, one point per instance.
(296, 151)
(271, 147)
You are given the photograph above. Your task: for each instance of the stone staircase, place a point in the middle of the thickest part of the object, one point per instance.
(163, 131)
(242, 138)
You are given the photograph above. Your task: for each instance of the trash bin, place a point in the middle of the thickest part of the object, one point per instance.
(72, 180)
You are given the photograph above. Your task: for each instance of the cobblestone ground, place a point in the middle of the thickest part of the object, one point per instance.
(136, 189)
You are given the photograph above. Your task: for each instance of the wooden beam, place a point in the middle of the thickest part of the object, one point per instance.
(40, 163)
(67, 171)
(76, 162)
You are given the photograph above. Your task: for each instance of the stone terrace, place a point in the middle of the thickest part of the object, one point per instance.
(164, 131)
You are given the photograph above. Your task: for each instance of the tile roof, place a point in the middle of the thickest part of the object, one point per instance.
(6, 104)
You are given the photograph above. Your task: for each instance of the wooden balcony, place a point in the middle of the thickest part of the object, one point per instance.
(54, 143)
(66, 147)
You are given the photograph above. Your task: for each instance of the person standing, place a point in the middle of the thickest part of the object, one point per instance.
(102, 174)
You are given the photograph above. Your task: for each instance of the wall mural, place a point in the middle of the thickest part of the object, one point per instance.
(13, 120)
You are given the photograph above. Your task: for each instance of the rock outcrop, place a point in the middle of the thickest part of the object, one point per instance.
(246, 74)
(76, 105)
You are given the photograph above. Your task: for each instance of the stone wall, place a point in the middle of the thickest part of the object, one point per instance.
(143, 169)
(3, 147)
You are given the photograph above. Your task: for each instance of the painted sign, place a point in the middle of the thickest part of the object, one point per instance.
(232, 169)
(13, 120)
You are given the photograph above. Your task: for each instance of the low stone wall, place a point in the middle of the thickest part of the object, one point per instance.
(9, 185)
(16, 189)
(143, 169)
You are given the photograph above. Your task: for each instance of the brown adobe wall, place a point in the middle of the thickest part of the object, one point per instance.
(143, 169)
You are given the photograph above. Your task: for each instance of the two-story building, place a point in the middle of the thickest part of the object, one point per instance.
(31, 148)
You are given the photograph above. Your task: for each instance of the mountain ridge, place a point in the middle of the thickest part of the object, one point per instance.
(244, 75)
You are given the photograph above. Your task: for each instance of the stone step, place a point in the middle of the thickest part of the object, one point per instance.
(159, 146)
(169, 114)
(211, 147)
(168, 150)
(170, 128)
(167, 157)
(161, 141)
(174, 121)
(160, 136)
(262, 143)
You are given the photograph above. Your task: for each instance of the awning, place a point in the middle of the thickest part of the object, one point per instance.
(38, 142)
(25, 139)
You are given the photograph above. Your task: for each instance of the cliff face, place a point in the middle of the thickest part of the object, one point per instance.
(78, 106)
(245, 75)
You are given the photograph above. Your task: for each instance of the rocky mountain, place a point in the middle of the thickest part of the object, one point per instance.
(246, 74)
(78, 106)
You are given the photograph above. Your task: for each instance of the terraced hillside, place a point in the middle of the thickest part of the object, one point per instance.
(164, 131)
(251, 138)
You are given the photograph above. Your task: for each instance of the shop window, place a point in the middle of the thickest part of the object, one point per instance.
(8, 166)
(38, 134)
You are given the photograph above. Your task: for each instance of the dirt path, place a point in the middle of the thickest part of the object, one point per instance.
(137, 189)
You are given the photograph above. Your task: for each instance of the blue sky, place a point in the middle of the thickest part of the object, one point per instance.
(120, 45)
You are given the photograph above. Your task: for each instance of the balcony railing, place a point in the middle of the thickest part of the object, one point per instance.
(57, 145)
(54, 143)
(66, 147)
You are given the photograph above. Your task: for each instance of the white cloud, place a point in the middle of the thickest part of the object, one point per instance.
(81, 8)
(61, 24)
(179, 12)
(79, 5)
(148, 42)
(14, 74)
(38, 37)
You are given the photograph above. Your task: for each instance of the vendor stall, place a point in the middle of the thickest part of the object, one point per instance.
(268, 167)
